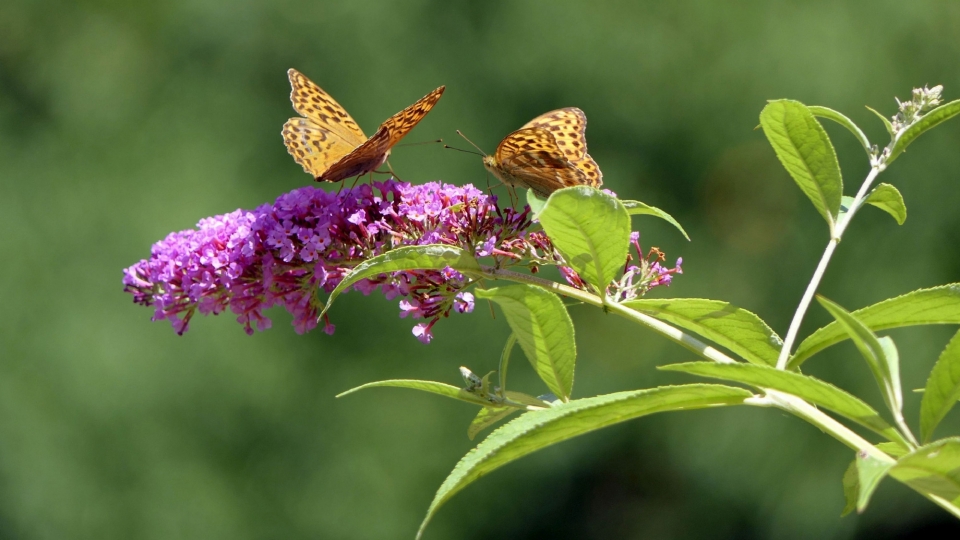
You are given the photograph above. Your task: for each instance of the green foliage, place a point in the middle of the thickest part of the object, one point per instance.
(851, 488)
(830, 114)
(735, 328)
(544, 330)
(886, 122)
(942, 390)
(505, 360)
(433, 387)
(809, 388)
(936, 305)
(804, 149)
(929, 121)
(592, 231)
(888, 199)
(934, 470)
(536, 203)
(428, 257)
(487, 417)
(870, 471)
(880, 354)
(637, 208)
(539, 429)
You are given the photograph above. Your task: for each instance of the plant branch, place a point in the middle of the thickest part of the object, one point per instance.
(807, 298)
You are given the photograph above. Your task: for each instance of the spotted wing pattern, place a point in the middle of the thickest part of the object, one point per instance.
(325, 133)
(569, 127)
(401, 123)
(530, 157)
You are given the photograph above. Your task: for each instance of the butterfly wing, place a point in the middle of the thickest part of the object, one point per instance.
(569, 128)
(325, 134)
(363, 159)
(532, 158)
(401, 123)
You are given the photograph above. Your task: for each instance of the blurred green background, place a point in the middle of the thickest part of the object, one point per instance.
(122, 121)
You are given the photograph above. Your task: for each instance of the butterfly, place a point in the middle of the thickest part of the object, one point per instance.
(329, 144)
(546, 154)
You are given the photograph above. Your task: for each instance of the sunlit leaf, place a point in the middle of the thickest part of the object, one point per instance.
(487, 417)
(505, 360)
(539, 429)
(886, 122)
(637, 208)
(433, 387)
(536, 203)
(737, 329)
(942, 390)
(929, 121)
(870, 471)
(851, 488)
(933, 469)
(830, 114)
(888, 199)
(880, 354)
(592, 231)
(544, 330)
(428, 257)
(804, 149)
(811, 389)
(937, 305)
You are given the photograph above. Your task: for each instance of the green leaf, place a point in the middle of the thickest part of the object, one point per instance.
(928, 121)
(943, 389)
(830, 114)
(886, 122)
(592, 231)
(429, 257)
(539, 429)
(804, 149)
(851, 488)
(487, 417)
(888, 199)
(505, 360)
(937, 305)
(894, 449)
(870, 471)
(933, 469)
(811, 389)
(433, 387)
(723, 323)
(637, 208)
(536, 203)
(880, 353)
(544, 330)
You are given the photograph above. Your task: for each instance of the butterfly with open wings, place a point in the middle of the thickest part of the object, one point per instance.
(330, 145)
(546, 154)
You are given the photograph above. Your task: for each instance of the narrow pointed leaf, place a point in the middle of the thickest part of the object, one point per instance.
(870, 471)
(888, 199)
(830, 114)
(544, 331)
(487, 417)
(886, 122)
(851, 488)
(505, 360)
(929, 121)
(539, 429)
(428, 257)
(937, 305)
(894, 449)
(809, 388)
(737, 329)
(933, 469)
(592, 231)
(637, 208)
(881, 357)
(433, 387)
(942, 390)
(804, 149)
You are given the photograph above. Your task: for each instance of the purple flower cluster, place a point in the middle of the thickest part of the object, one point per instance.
(649, 273)
(285, 253)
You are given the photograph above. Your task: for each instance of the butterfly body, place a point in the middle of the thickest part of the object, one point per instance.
(546, 154)
(330, 145)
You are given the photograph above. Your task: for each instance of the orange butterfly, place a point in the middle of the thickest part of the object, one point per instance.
(330, 145)
(546, 154)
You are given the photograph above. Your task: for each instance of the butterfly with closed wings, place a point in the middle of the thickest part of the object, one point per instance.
(546, 154)
(330, 145)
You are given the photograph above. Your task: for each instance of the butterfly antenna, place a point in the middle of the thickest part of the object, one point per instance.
(419, 143)
(461, 150)
(460, 133)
